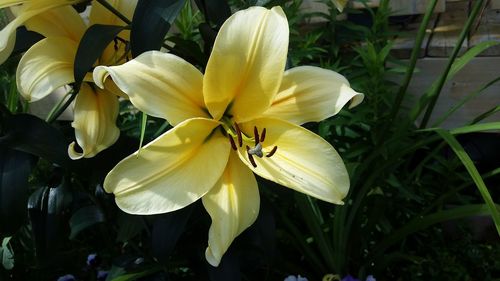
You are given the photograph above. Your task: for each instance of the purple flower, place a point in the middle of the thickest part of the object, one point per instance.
(67, 277)
(294, 278)
(102, 275)
(348, 277)
(370, 278)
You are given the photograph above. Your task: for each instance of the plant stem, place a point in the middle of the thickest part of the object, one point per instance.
(114, 11)
(454, 54)
(53, 115)
(413, 61)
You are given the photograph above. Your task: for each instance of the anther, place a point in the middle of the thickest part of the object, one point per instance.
(256, 135)
(271, 153)
(233, 145)
(250, 157)
(263, 135)
(238, 133)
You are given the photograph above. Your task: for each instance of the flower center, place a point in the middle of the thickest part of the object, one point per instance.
(253, 144)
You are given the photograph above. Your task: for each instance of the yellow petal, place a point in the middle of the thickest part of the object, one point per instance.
(172, 171)
(159, 84)
(95, 116)
(60, 22)
(101, 15)
(247, 62)
(115, 52)
(339, 4)
(233, 205)
(46, 66)
(27, 11)
(303, 161)
(312, 94)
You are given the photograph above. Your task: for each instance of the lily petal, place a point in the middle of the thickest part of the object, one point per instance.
(27, 11)
(60, 22)
(101, 15)
(115, 53)
(46, 66)
(171, 172)
(312, 94)
(303, 160)
(159, 84)
(95, 116)
(247, 62)
(233, 205)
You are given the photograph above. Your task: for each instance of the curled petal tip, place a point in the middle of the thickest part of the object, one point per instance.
(73, 154)
(100, 75)
(211, 259)
(356, 100)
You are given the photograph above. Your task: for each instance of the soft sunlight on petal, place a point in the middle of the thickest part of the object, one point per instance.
(46, 66)
(172, 171)
(312, 94)
(159, 84)
(303, 160)
(60, 22)
(233, 205)
(247, 62)
(115, 52)
(27, 11)
(95, 116)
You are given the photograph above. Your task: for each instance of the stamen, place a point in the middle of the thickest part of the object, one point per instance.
(271, 153)
(256, 135)
(238, 133)
(233, 145)
(250, 157)
(263, 135)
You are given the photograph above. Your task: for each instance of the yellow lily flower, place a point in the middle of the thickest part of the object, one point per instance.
(48, 65)
(25, 9)
(340, 4)
(241, 117)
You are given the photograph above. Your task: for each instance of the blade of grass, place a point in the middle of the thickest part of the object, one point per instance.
(423, 222)
(308, 210)
(486, 114)
(464, 101)
(471, 168)
(434, 95)
(143, 131)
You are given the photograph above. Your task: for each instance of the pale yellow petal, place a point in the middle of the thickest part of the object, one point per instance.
(61, 22)
(101, 15)
(46, 66)
(312, 94)
(233, 205)
(339, 4)
(171, 172)
(27, 11)
(303, 161)
(247, 62)
(159, 84)
(115, 53)
(95, 116)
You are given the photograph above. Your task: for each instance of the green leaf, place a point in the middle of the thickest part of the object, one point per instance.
(7, 254)
(473, 172)
(93, 43)
(423, 222)
(31, 134)
(457, 65)
(15, 167)
(151, 22)
(216, 11)
(84, 218)
(167, 228)
(131, 276)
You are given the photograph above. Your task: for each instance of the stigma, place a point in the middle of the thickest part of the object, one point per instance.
(254, 146)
